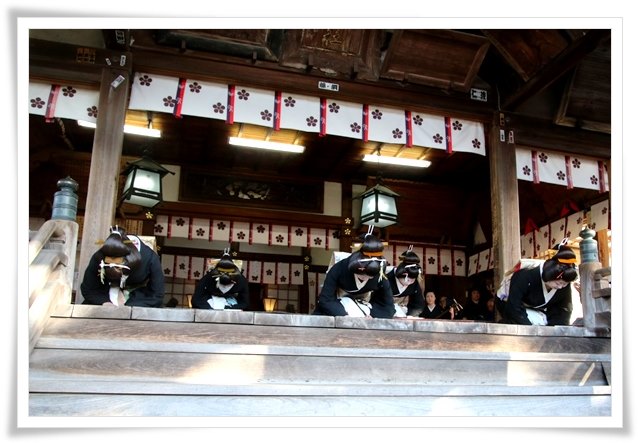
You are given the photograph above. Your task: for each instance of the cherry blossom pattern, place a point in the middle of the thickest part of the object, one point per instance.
(195, 87)
(169, 101)
(221, 226)
(289, 102)
(299, 232)
(527, 170)
(261, 229)
(311, 121)
(445, 269)
(167, 271)
(266, 115)
(560, 175)
(457, 125)
(594, 180)
(279, 238)
(355, 127)
(241, 235)
(92, 111)
(542, 157)
(145, 80)
(417, 120)
(476, 143)
(37, 103)
(69, 91)
(200, 232)
(459, 262)
(218, 108)
(196, 274)
(158, 229)
(397, 133)
(180, 222)
(243, 94)
(576, 163)
(437, 138)
(318, 241)
(431, 260)
(283, 279)
(333, 107)
(377, 115)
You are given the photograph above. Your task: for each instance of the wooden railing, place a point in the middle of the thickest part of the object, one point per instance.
(52, 253)
(595, 288)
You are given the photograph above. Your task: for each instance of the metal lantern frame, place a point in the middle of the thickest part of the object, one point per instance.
(379, 206)
(143, 184)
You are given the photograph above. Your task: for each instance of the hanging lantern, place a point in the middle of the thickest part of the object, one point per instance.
(378, 206)
(143, 184)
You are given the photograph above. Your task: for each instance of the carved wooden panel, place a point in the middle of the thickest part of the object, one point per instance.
(354, 53)
(263, 43)
(586, 101)
(446, 59)
(528, 50)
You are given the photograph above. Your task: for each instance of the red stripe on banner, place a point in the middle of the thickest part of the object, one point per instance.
(535, 176)
(323, 123)
(601, 176)
(327, 238)
(269, 235)
(190, 267)
(250, 234)
(365, 121)
(448, 135)
(453, 253)
(181, 88)
(438, 261)
(190, 228)
(277, 119)
(170, 223)
(174, 265)
(51, 103)
(210, 230)
(408, 128)
(289, 234)
(232, 231)
(568, 172)
(230, 116)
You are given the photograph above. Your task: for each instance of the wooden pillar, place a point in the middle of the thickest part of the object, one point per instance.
(506, 229)
(104, 175)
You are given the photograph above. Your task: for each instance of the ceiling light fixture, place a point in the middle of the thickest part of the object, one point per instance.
(261, 144)
(129, 129)
(396, 161)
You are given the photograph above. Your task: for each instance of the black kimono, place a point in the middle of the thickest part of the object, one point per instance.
(146, 283)
(434, 313)
(526, 291)
(207, 287)
(339, 277)
(416, 301)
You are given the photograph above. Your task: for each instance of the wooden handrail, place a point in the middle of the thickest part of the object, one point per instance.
(52, 254)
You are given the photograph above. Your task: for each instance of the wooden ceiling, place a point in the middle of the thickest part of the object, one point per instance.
(553, 87)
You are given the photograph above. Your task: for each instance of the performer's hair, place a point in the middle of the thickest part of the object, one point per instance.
(369, 258)
(410, 264)
(562, 266)
(117, 244)
(226, 269)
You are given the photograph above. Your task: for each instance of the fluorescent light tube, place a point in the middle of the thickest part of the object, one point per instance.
(137, 130)
(396, 161)
(260, 144)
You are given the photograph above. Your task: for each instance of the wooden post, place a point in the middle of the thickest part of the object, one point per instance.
(104, 175)
(506, 231)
